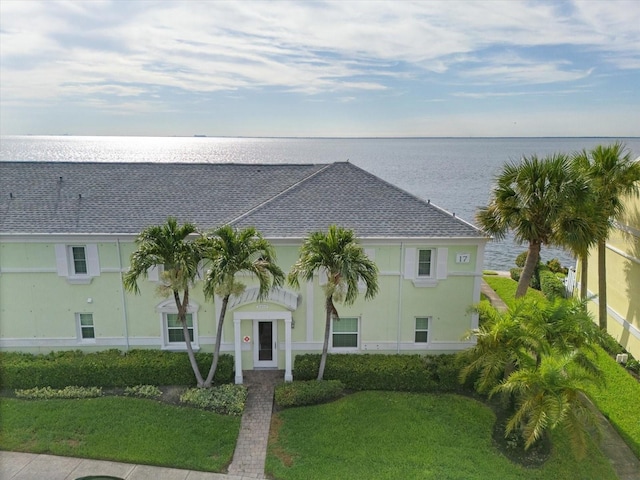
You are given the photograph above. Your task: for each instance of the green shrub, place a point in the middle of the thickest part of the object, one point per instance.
(515, 273)
(110, 368)
(633, 365)
(521, 259)
(412, 373)
(550, 285)
(556, 267)
(143, 391)
(309, 392)
(45, 393)
(227, 399)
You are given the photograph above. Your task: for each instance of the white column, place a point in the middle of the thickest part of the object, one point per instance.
(288, 376)
(238, 349)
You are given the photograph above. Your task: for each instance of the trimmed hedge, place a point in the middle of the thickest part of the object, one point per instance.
(409, 373)
(308, 392)
(109, 368)
(228, 399)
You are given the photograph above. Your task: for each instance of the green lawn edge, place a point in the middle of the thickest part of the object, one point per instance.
(120, 429)
(380, 435)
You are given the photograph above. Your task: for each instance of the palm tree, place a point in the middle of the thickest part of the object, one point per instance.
(229, 252)
(169, 245)
(529, 199)
(345, 263)
(614, 175)
(580, 226)
(548, 396)
(535, 356)
(503, 346)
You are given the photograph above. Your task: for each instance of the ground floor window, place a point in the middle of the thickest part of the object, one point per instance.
(85, 326)
(344, 333)
(422, 329)
(175, 332)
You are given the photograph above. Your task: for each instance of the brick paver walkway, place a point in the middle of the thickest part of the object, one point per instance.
(251, 448)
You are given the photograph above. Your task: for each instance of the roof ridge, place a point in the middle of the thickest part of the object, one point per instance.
(273, 198)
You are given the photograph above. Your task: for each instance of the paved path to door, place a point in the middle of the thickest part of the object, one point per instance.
(251, 448)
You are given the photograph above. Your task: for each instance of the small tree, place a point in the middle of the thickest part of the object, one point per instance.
(534, 354)
(344, 261)
(229, 252)
(169, 245)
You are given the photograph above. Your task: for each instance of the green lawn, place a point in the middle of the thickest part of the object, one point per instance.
(618, 401)
(392, 435)
(120, 429)
(506, 289)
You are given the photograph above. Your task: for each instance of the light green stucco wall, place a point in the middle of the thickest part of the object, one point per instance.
(38, 307)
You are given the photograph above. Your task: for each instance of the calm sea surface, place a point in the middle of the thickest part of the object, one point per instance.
(454, 173)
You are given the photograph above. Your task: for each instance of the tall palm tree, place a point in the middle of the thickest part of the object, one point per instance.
(614, 175)
(169, 245)
(345, 263)
(528, 199)
(229, 252)
(581, 224)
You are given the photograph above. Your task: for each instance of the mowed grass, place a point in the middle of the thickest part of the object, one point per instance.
(619, 400)
(393, 435)
(120, 429)
(506, 289)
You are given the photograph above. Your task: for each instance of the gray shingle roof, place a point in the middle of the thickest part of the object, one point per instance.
(280, 200)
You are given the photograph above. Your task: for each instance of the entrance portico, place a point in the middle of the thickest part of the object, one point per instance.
(265, 326)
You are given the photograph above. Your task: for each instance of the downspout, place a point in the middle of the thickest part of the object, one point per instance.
(400, 293)
(122, 298)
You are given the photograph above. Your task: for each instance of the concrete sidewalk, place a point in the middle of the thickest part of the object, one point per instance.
(31, 466)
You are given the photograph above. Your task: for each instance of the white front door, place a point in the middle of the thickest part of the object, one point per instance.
(265, 345)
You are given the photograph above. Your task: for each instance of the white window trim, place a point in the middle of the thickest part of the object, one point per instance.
(169, 306)
(428, 330)
(79, 328)
(65, 265)
(432, 265)
(345, 349)
(439, 259)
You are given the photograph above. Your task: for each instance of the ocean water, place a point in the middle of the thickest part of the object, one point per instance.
(454, 173)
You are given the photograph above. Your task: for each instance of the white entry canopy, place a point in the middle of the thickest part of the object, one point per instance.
(281, 296)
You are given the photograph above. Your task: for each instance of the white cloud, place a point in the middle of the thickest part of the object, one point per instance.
(139, 52)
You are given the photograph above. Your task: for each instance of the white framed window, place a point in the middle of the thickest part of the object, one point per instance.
(85, 327)
(422, 329)
(425, 266)
(175, 332)
(78, 263)
(172, 334)
(78, 260)
(425, 257)
(345, 333)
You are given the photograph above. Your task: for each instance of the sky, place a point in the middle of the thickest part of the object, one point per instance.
(320, 69)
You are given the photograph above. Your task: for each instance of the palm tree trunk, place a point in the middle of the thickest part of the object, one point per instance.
(584, 265)
(216, 351)
(533, 258)
(182, 316)
(325, 347)
(602, 285)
